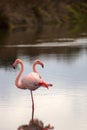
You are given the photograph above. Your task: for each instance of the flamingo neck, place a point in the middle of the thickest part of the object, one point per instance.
(17, 83)
(34, 68)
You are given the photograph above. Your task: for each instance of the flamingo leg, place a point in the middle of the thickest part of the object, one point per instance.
(32, 105)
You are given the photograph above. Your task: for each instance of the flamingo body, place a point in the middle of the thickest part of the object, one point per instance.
(31, 81)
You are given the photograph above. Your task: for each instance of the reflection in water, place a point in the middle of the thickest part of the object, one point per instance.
(47, 41)
(65, 53)
(46, 34)
(35, 125)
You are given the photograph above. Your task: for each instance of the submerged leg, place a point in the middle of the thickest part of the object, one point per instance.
(32, 105)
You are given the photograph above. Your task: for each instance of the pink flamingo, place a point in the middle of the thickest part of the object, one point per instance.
(34, 66)
(32, 81)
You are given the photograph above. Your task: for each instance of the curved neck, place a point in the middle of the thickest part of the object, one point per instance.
(19, 85)
(34, 68)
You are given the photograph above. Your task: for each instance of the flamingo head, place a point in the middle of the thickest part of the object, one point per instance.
(44, 84)
(17, 61)
(39, 62)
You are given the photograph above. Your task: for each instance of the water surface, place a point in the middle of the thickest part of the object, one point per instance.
(64, 105)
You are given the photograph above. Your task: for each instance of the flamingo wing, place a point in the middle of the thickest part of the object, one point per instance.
(31, 81)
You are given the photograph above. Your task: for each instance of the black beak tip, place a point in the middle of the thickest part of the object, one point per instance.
(42, 66)
(13, 67)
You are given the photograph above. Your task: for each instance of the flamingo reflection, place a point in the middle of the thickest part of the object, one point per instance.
(35, 125)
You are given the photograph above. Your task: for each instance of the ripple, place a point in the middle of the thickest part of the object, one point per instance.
(55, 43)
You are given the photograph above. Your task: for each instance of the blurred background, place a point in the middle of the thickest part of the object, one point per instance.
(56, 33)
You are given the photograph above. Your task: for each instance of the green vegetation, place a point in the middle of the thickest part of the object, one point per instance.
(76, 14)
(4, 20)
(17, 13)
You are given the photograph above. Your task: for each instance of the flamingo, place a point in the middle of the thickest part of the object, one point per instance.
(32, 81)
(34, 66)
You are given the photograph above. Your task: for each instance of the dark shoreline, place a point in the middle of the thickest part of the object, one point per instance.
(26, 13)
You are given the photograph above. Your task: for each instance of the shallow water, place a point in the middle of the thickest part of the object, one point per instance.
(64, 105)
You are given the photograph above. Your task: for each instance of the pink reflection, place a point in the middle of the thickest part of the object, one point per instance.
(35, 125)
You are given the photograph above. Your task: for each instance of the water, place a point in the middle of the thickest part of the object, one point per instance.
(63, 106)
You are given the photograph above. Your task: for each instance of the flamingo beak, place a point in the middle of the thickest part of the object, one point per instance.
(42, 65)
(43, 84)
(13, 66)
